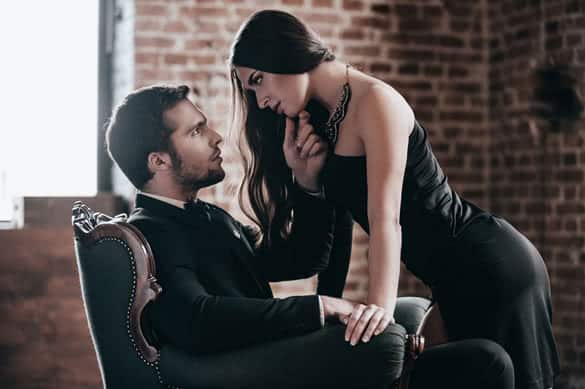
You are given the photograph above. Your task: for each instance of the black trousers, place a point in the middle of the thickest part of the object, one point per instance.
(470, 363)
(323, 359)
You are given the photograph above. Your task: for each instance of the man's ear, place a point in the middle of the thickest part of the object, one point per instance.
(159, 161)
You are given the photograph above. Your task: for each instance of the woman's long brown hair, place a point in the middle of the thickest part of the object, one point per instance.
(275, 42)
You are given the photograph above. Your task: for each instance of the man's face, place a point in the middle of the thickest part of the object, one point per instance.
(194, 146)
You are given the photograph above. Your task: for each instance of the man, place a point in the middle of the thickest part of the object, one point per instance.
(216, 302)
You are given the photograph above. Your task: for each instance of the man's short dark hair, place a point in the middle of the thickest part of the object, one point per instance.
(136, 128)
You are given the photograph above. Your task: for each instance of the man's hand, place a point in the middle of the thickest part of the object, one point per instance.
(363, 321)
(305, 152)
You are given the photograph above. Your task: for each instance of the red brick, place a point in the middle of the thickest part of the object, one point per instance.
(419, 85)
(431, 70)
(148, 24)
(415, 25)
(368, 51)
(430, 11)
(352, 34)
(145, 9)
(461, 115)
(193, 76)
(353, 5)
(413, 55)
(327, 18)
(154, 42)
(175, 59)
(206, 26)
(196, 44)
(198, 12)
(408, 69)
(460, 11)
(323, 3)
(457, 71)
(380, 67)
(370, 21)
(406, 11)
(147, 58)
(451, 41)
(381, 8)
(176, 26)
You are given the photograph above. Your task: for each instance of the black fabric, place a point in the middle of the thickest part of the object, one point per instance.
(216, 294)
(488, 279)
(320, 359)
(331, 281)
(465, 364)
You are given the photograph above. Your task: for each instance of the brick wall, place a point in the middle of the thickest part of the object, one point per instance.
(44, 337)
(537, 176)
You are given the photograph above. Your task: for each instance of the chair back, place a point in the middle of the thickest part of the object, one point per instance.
(117, 276)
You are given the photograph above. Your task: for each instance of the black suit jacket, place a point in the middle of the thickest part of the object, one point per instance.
(216, 294)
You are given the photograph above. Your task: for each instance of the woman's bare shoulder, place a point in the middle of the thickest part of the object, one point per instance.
(377, 99)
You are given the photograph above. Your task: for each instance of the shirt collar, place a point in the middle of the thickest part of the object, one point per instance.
(168, 200)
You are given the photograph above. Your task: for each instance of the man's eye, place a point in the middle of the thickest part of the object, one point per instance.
(196, 131)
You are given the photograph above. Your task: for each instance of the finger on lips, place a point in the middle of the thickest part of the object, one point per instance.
(289, 132)
(303, 133)
(308, 145)
(303, 117)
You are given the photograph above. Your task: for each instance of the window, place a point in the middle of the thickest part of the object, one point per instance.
(49, 99)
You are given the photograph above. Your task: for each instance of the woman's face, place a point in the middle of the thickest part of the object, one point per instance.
(283, 93)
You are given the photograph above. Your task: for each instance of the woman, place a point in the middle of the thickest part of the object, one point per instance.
(488, 279)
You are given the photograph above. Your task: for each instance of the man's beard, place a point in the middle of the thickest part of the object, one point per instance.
(190, 181)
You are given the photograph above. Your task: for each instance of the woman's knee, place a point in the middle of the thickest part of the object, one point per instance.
(497, 364)
(470, 363)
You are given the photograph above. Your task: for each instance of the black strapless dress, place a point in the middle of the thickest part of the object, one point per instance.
(489, 280)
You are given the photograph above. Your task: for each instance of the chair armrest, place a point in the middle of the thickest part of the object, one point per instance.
(424, 326)
(410, 312)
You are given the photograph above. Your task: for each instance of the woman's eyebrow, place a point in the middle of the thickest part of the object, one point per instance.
(250, 78)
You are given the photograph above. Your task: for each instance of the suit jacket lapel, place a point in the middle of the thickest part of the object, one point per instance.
(242, 249)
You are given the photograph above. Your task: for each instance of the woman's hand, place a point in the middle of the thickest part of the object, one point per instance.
(305, 152)
(363, 321)
(366, 321)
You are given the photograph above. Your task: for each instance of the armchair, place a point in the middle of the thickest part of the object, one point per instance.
(118, 279)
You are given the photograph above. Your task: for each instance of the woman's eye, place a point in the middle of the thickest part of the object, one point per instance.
(257, 80)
